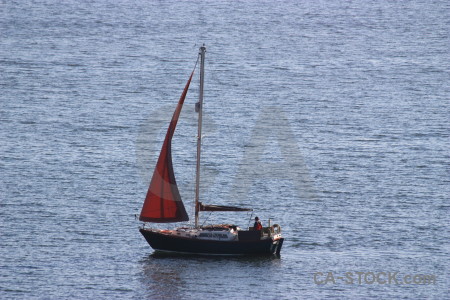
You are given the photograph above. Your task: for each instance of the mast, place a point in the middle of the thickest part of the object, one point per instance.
(199, 108)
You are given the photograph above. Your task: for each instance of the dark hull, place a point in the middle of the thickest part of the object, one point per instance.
(164, 242)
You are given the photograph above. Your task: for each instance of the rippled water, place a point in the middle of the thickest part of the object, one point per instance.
(329, 117)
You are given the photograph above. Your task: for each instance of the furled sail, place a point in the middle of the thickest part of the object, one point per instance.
(206, 207)
(163, 201)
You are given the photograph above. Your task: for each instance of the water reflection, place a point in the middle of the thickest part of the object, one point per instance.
(176, 276)
(162, 280)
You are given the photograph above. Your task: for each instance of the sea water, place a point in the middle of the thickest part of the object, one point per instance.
(329, 117)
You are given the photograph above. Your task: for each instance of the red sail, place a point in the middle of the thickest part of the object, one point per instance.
(163, 201)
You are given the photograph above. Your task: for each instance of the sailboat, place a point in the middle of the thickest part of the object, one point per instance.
(163, 204)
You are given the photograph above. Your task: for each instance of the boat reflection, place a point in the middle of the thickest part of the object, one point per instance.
(162, 280)
(177, 276)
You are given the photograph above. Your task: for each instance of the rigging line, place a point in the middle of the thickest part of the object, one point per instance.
(195, 66)
(250, 220)
(206, 218)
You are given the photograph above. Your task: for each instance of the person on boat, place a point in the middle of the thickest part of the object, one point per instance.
(257, 225)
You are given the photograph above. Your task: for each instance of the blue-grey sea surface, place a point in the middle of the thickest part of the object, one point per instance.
(329, 117)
